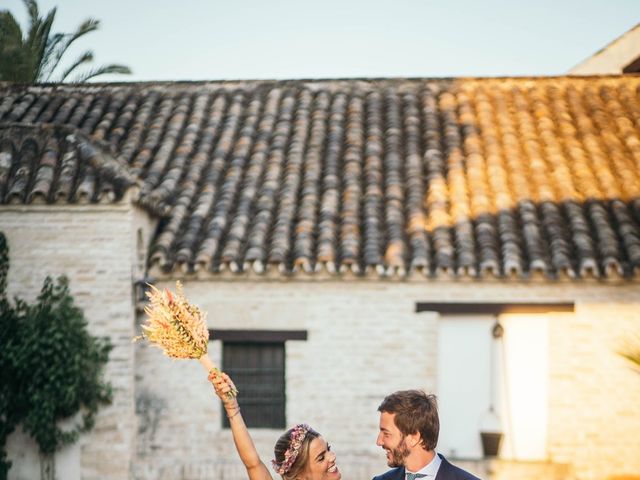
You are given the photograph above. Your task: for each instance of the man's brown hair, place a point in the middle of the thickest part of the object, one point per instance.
(415, 412)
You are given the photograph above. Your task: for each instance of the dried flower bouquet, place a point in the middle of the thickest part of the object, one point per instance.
(177, 327)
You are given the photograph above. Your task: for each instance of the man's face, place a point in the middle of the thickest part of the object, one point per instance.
(392, 440)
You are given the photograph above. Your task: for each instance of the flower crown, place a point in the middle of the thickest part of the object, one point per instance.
(296, 439)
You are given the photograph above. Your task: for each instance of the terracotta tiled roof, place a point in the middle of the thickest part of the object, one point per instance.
(465, 177)
(53, 163)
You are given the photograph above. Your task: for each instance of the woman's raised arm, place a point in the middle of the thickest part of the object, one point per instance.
(256, 469)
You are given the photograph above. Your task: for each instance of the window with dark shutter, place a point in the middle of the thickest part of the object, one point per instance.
(255, 360)
(257, 369)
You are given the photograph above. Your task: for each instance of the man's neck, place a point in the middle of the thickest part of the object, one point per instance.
(418, 459)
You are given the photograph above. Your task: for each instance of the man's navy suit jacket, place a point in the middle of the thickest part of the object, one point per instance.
(446, 471)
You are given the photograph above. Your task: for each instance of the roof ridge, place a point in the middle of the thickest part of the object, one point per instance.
(265, 82)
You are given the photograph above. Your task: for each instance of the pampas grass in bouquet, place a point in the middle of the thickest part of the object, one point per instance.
(177, 327)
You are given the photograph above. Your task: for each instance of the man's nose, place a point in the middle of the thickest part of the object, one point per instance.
(379, 440)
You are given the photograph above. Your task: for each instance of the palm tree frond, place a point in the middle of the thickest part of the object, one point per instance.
(35, 54)
(86, 57)
(53, 45)
(61, 46)
(39, 28)
(10, 31)
(89, 25)
(107, 69)
(631, 352)
(39, 37)
(32, 9)
(15, 62)
(633, 357)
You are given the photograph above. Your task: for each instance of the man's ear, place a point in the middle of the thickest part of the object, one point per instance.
(414, 439)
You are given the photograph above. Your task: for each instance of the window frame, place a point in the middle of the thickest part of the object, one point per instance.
(268, 338)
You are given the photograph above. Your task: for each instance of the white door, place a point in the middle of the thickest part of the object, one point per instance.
(464, 347)
(524, 386)
(517, 388)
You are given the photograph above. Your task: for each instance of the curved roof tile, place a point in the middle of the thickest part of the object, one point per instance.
(53, 164)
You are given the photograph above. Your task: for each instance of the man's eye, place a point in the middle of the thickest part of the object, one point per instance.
(328, 447)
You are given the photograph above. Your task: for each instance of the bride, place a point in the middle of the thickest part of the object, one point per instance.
(300, 452)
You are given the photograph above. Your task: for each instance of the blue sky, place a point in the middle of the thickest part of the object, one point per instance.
(277, 39)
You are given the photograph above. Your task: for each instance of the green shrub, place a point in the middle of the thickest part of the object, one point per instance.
(59, 364)
(51, 367)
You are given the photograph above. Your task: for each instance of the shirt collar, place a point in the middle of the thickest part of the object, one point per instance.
(431, 468)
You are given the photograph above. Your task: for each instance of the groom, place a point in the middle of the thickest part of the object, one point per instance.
(409, 427)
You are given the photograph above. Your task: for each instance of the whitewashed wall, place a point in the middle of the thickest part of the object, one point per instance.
(354, 355)
(594, 394)
(93, 246)
(366, 341)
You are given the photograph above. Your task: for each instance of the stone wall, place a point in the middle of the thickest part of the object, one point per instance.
(93, 246)
(364, 341)
(594, 393)
(354, 355)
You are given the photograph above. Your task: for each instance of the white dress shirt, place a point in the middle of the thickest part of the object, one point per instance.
(430, 470)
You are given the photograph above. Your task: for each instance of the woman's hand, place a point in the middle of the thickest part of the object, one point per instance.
(225, 389)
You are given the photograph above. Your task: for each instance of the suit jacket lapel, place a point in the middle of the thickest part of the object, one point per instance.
(400, 475)
(443, 471)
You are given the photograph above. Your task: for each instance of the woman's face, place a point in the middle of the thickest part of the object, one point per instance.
(322, 462)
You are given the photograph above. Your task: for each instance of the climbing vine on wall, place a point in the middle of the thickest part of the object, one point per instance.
(8, 408)
(52, 367)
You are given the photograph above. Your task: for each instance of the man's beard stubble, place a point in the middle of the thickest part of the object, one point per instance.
(398, 454)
